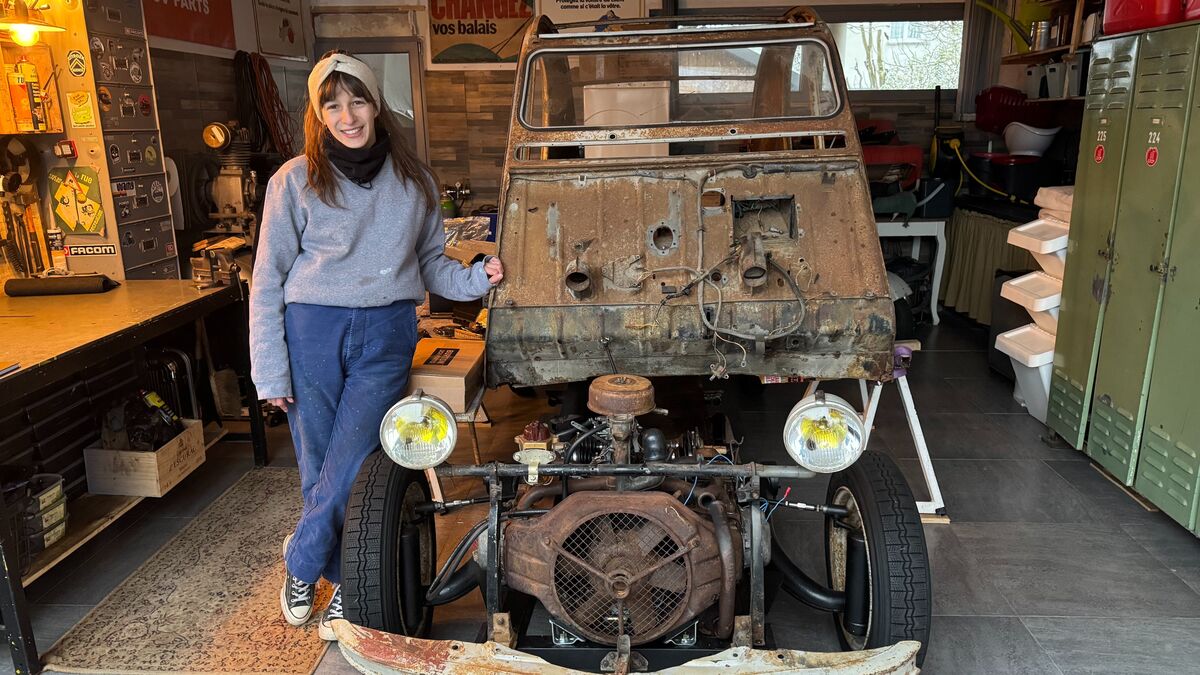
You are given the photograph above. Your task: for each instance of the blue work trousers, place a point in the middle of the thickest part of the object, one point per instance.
(349, 365)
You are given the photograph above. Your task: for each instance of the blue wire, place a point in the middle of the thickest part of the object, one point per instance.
(697, 478)
(772, 511)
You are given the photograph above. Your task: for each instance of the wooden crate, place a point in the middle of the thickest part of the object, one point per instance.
(145, 474)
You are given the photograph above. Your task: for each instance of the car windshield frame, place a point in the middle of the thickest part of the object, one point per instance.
(528, 79)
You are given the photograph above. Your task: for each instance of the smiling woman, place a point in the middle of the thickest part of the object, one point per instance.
(351, 239)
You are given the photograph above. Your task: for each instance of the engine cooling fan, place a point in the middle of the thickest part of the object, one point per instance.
(621, 573)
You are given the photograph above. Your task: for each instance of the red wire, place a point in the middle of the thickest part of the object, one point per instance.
(280, 124)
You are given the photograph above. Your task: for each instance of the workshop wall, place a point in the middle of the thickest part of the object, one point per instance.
(196, 89)
(467, 114)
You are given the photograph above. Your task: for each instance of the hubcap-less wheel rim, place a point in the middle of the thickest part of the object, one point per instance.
(408, 516)
(838, 532)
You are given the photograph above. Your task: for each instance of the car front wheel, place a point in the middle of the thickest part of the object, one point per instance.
(389, 550)
(876, 554)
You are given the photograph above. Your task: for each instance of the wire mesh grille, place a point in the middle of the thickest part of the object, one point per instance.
(598, 583)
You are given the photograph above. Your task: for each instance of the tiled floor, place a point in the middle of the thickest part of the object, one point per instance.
(1046, 567)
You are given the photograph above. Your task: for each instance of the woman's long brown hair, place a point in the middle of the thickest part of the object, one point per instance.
(405, 162)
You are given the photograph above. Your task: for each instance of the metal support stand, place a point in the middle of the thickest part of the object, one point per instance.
(14, 609)
(936, 506)
(468, 417)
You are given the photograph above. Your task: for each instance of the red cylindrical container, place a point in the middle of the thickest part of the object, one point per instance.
(1193, 10)
(1122, 16)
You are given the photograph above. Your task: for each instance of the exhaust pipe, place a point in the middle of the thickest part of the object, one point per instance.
(578, 280)
(753, 261)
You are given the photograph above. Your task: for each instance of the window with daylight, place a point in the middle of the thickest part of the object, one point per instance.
(898, 55)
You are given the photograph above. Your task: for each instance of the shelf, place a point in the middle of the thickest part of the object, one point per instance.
(89, 514)
(1060, 99)
(1035, 57)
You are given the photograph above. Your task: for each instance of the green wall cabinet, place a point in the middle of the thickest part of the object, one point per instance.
(1147, 211)
(1101, 155)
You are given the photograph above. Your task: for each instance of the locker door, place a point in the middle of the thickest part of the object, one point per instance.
(1101, 151)
(1168, 467)
(1149, 187)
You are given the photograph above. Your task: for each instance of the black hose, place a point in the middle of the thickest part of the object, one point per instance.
(579, 439)
(462, 581)
(464, 545)
(801, 586)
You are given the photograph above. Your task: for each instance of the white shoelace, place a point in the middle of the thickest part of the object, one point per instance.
(301, 591)
(335, 606)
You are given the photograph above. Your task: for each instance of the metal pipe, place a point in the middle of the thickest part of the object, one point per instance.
(462, 581)
(711, 491)
(413, 594)
(578, 280)
(535, 494)
(495, 469)
(802, 587)
(753, 261)
(857, 612)
(725, 603)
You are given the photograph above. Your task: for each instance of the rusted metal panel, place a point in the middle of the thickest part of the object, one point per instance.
(377, 653)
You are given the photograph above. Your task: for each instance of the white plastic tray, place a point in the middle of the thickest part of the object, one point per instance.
(1036, 291)
(1028, 345)
(1047, 320)
(1039, 236)
(1053, 264)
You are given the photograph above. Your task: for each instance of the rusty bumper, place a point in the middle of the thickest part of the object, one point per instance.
(378, 653)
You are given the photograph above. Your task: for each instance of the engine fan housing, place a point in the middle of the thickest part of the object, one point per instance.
(608, 564)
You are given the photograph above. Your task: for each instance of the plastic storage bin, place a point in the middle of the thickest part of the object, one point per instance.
(1192, 11)
(1047, 241)
(1122, 16)
(1031, 350)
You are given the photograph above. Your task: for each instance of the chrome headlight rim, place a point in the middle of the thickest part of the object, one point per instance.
(822, 400)
(419, 397)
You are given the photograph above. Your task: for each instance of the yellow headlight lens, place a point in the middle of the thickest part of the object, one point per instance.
(419, 432)
(823, 433)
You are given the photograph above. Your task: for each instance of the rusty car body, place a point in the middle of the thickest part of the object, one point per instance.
(681, 198)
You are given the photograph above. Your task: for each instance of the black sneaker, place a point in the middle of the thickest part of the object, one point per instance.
(296, 599)
(332, 613)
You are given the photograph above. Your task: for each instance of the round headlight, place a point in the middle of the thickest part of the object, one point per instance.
(418, 432)
(824, 433)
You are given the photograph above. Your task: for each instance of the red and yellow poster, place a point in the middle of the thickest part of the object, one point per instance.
(477, 33)
(206, 22)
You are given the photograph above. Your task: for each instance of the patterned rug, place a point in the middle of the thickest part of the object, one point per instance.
(208, 601)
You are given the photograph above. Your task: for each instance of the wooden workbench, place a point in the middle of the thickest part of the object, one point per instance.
(54, 337)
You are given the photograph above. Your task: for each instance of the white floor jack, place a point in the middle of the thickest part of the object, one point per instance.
(934, 510)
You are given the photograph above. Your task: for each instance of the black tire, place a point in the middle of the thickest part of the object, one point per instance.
(900, 596)
(380, 506)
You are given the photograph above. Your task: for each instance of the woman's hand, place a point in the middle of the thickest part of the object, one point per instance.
(494, 269)
(281, 403)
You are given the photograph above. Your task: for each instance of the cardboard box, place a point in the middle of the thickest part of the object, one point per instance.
(451, 370)
(145, 474)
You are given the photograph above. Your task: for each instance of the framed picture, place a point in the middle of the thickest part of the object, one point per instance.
(280, 25)
(576, 11)
(481, 35)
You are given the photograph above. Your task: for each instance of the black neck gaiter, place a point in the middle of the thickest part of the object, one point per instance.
(360, 165)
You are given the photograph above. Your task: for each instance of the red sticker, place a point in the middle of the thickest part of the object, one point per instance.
(1152, 157)
(1099, 154)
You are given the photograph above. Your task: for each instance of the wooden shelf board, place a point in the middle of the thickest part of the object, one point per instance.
(1034, 57)
(89, 515)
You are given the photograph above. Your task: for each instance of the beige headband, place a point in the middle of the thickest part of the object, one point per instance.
(345, 64)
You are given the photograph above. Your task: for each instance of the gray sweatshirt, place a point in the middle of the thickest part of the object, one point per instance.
(379, 247)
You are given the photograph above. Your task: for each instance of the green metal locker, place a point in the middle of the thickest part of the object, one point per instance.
(1101, 151)
(1146, 210)
(1168, 467)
